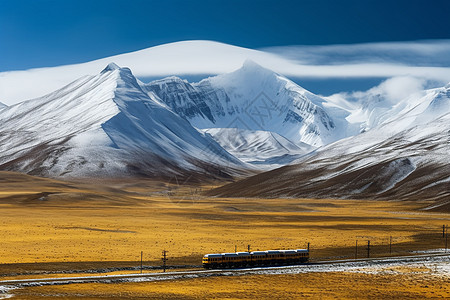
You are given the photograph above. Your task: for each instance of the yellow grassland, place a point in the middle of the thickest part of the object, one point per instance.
(115, 221)
(48, 225)
(330, 285)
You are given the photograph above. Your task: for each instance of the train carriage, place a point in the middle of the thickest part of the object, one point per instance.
(212, 261)
(259, 258)
(255, 258)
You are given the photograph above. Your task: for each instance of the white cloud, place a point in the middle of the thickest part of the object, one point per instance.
(382, 60)
(418, 53)
(398, 88)
(390, 91)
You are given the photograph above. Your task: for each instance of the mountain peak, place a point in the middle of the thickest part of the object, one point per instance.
(251, 66)
(111, 67)
(123, 75)
(248, 63)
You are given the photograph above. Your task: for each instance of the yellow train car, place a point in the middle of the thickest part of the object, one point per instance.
(255, 259)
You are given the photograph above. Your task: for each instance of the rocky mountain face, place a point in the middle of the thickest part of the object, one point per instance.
(262, 149)
(106, 125)
(249, 120)
(252, 98)
(405, 157)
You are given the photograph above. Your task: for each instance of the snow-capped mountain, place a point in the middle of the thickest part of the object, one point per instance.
(105, 125)
(370, 110)
(252, 98)
(405, 157)
(418, 109)
(264, 148)
(2, 105)
(413, 164)
(111, 124)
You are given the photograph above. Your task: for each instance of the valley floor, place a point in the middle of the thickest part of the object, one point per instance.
(49, 228)
(401, 283)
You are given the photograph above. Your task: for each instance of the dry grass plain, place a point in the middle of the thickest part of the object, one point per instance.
(331, 285)
(55, 226)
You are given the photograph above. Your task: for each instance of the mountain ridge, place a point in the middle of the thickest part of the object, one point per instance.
(411, 164)
(105, 125)
(251, 98)
(112, 124)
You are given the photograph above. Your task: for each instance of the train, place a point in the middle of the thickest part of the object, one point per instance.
(255, 259)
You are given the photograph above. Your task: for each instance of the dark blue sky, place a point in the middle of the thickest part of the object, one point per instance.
(47, 33)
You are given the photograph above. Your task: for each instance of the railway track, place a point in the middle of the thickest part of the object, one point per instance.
(308, 267)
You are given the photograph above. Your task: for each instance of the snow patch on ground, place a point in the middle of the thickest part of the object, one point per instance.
(5, 291)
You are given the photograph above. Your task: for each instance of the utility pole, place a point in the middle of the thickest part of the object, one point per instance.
(235, 248)
(164, 259)
(308, 247)
(443, 231)
(248, 248)
(356, 249)
(141, 261)
(368, 249)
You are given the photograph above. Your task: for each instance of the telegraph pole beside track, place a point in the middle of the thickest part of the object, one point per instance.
(164, 259)
(141, 261)
(368, 249)
(356, 250)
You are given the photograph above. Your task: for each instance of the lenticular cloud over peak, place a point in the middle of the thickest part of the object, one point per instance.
(379, 60)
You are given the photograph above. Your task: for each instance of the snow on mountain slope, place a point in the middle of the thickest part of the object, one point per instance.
(258, 147)
(183, 98)
(2, 105)
(105, 125)
(367, 110)
(380, 164)
(253, 98)
(186, 57)
(419, 109)
(405, 156)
